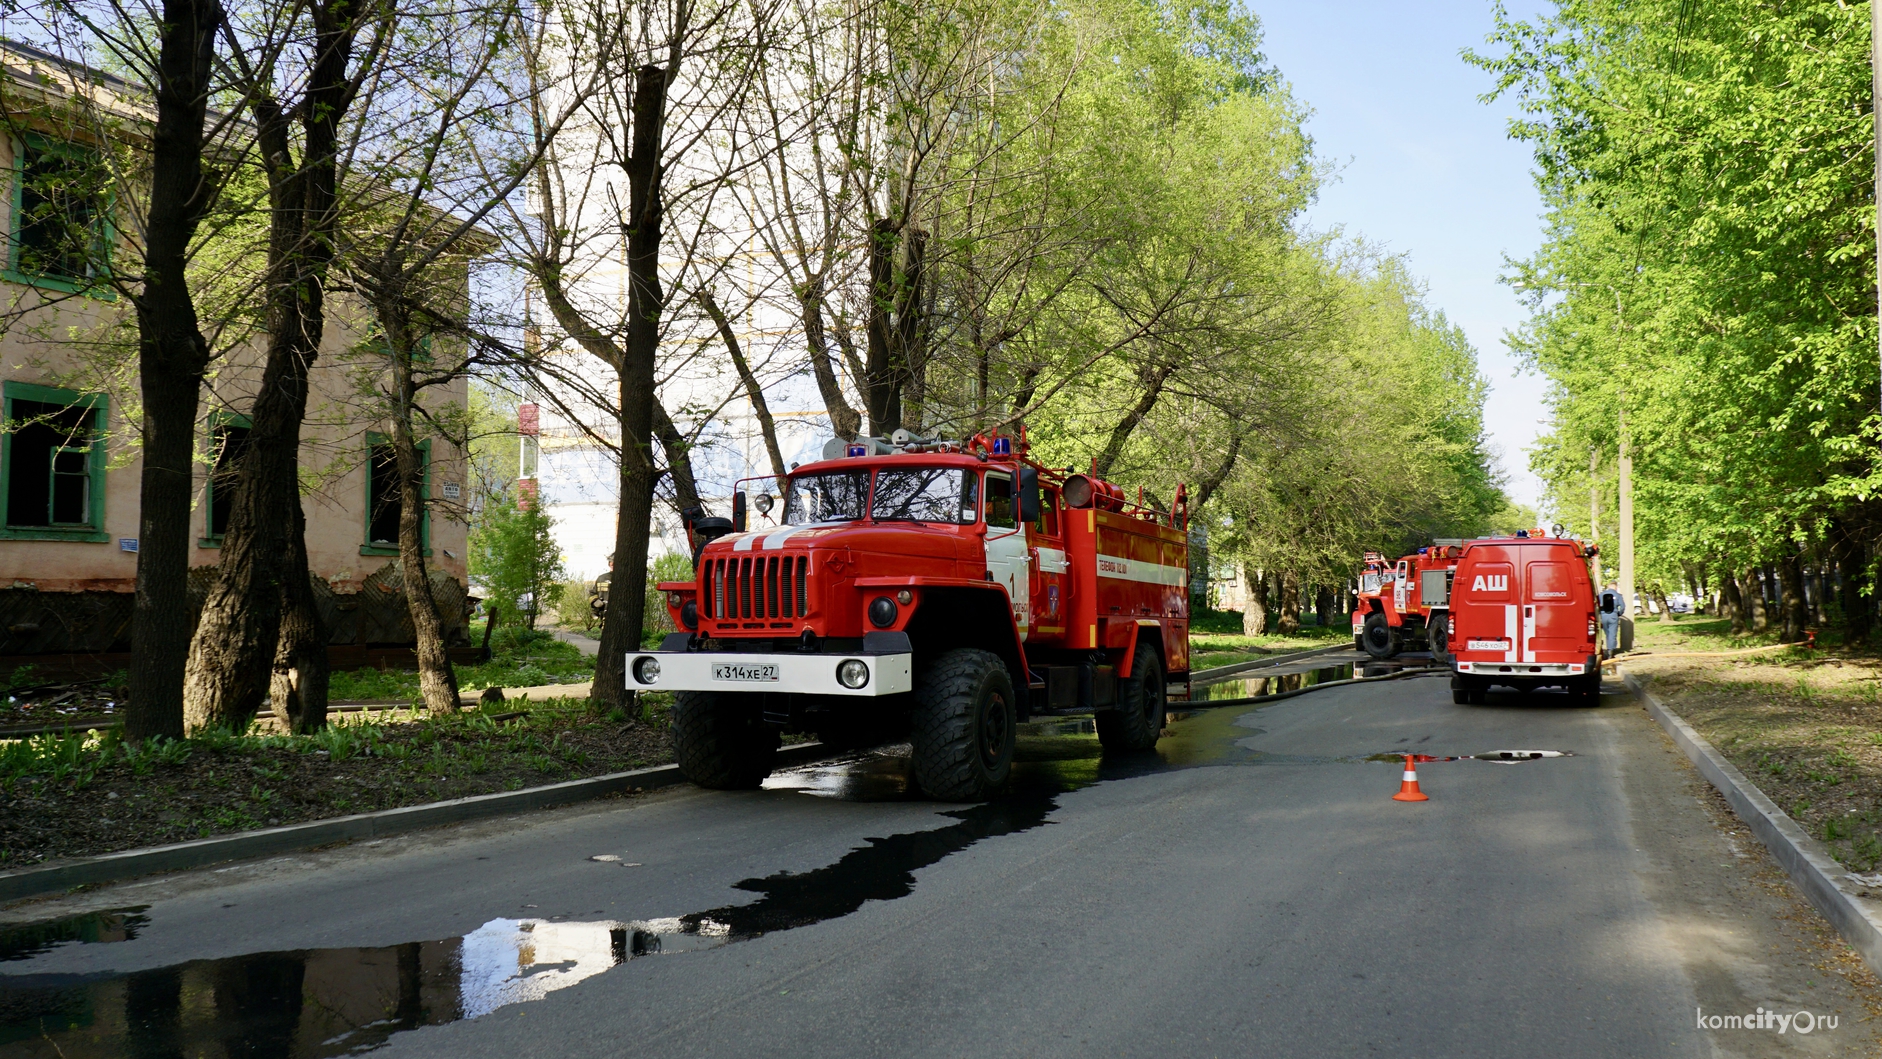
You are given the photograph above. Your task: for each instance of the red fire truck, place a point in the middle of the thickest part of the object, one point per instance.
(1405, 602)
(935, 591)
(1523, 616)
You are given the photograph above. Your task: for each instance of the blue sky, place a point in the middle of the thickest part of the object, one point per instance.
(1425, 170)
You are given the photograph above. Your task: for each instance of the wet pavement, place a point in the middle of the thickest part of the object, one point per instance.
(1224, 895)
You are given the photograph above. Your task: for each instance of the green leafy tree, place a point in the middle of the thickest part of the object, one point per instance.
(1705, 294)
(514, 558)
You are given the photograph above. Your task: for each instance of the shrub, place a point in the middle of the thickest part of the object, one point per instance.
(572, 609)
(514, 557)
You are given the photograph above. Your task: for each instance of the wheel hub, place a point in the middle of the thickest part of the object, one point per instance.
(992, 730)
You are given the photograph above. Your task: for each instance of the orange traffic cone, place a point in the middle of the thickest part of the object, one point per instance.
(1408, 787)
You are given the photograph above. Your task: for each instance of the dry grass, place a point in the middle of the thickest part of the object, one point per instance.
(1806, 727)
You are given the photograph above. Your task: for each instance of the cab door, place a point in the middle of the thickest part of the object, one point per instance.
(1555, 620)
(1050, 568)
(1009, 560)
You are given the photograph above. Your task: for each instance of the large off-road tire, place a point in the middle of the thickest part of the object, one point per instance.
(721, 740)
(963, 726)
(1438, 635)
(1380, 639)
(1138, 719)
(1467, 692)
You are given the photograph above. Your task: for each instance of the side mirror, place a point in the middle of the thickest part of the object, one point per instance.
(1029, 494)
(738, 511)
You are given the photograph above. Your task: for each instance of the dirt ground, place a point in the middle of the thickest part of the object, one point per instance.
(1805, 726)
(86, 800)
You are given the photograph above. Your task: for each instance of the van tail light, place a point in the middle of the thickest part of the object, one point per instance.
(1591, 628)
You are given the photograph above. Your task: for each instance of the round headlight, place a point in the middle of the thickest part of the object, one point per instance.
(647, 670)
(689, 614)
(882, 612)
(852, 673)
(905, 597)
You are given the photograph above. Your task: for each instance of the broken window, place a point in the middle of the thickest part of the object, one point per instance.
(60, 217)
(53, 461)
(383, 504)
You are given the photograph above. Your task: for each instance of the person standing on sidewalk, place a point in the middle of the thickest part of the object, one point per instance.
(1610, 614)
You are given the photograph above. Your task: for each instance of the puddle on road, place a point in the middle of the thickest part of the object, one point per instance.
(28, 941)
(329, 1002)
(1254, 684)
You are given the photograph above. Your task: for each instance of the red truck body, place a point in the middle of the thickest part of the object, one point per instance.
(898, 575)
(1406, 602)
(1523, 616)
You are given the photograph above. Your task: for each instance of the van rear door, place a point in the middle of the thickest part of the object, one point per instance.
(1493, 625)
(1554, 622)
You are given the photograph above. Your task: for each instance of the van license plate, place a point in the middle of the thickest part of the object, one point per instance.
(742, 671)
(1488, 645)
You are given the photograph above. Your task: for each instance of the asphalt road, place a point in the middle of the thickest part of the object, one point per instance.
(1251, 890)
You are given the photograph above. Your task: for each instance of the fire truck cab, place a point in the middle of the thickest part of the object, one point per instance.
(934, 591)
(1523, 616)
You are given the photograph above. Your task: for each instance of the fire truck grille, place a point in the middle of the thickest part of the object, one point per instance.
(769, 586)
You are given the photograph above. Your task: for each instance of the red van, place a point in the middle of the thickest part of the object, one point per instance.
(1523, 616)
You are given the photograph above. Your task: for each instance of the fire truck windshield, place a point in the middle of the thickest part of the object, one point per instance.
(921, 494)
(834, 496)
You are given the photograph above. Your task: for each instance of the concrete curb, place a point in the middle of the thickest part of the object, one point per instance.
(116, 867)
(1825, 882)
(1218, 674)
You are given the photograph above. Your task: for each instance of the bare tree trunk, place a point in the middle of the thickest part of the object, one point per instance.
(1857, 608)
(843, 419)
(1732, 603)
(1751, 590)
(171, 359)
(1791, 604)
(299, 683)
(882, 384)
(1290, 604)
(1120, 434)
(437, 681)
(627, 594)
(679, 458)
(755, 393)
(911, 361)
(1658, 591)
(1214, 479)
(231, 659)
(1254, 601)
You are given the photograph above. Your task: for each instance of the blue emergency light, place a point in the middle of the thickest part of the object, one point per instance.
(859, 450)
(1003, 446)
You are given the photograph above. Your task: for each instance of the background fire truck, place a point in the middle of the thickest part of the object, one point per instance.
(1406, 604)
(936, 591)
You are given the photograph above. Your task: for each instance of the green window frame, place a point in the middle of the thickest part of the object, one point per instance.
(93, 529)
(106, 235)
(217, 421)
(367, 546)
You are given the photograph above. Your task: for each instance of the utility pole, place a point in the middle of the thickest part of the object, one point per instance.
(1594, 501)
(1626, 475)
(1627, 517)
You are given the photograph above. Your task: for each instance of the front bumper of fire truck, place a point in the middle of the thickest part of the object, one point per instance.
(883, 667)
